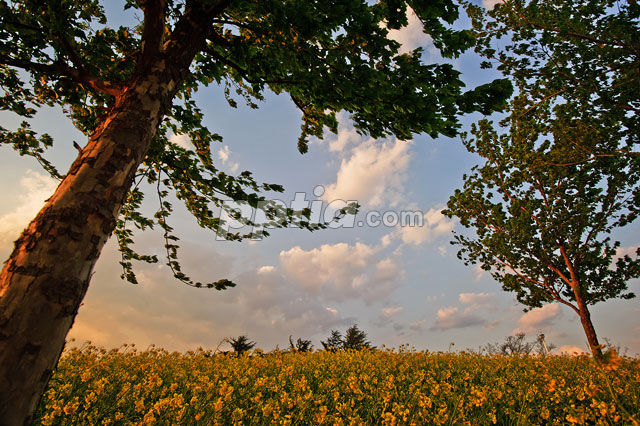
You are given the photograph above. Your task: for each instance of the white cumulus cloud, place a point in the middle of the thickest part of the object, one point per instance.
(391, 311)
(267, 269)
(435, 224)
(490, 4)
(342, 271)
(411, 36)
(451, 317)
(373, 174)
(475, 298)
(570, 350)
(224, 154)
(182, 140)
(161, 311)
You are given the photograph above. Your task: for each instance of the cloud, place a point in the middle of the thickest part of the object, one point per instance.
(570, 350)
(182, 140)
(435, 225)
(342, 271)
(490, 4)
(385, 240)
(411, 36)
(374, 174)
(347, 134)
(451, 317)
(630, 251)
(538, 319)
(224, 154)
(475, 299)
(266, 269)
(162, 311)
(35, 188)
(418, 325)
(391, 311)
(478, 272)
(332, 310)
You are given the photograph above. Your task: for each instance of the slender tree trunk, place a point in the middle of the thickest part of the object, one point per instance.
(589, 330)
(46, 277)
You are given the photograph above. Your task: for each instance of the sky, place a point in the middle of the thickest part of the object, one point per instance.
(402, 285)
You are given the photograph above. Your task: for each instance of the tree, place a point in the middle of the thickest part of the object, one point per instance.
(129, 88)
(301, 345)
(356, 339)
(543, 230)
(512, 345)
(583, 53)
(517, 345)
(334, 342)
(241, 344)
(576, 66)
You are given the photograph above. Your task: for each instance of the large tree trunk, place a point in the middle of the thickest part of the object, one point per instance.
(45, 279)
(47, 275)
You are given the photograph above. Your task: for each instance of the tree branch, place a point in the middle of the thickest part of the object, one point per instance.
(554, 293)
(152, 31)
(60, 69)
(243, 72)
(190, 33)
(572, 34)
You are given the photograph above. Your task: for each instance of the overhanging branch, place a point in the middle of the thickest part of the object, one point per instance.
(58, 69)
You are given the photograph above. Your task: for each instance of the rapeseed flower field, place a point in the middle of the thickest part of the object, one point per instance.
(93, 386)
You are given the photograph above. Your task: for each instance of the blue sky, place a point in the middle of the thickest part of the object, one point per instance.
(402, 285)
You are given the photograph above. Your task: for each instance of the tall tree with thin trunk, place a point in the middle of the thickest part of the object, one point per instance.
(563, 174)
(542, 229)
(128, 89)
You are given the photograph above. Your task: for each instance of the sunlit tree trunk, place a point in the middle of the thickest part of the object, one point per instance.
(589, 330)
(46, 277)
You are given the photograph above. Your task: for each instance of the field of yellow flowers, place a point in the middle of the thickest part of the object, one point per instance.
(92, 386)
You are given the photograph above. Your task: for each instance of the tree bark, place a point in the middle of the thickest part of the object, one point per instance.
(46, 277)
(587, 325)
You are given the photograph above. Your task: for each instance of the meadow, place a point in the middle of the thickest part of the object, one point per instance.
(93, 386)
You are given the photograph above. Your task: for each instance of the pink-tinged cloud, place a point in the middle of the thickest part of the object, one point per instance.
(451, 317)
(490, 4)
(342, 271)
(475, 298)
(35, 188)
(538, 319)
(570, 350)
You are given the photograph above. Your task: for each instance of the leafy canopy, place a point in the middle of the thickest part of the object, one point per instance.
(542, 226)
(241, 344)
(327, 56)
(582, 56)
(354, 338)
(562, 174)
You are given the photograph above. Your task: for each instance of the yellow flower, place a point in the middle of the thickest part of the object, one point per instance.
(71, 407)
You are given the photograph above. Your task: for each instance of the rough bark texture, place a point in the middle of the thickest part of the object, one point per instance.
(47, 275)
